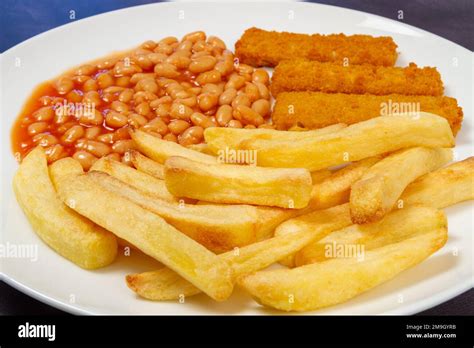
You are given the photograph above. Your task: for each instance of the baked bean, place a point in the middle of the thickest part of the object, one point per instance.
(195, 90)
(179, 60)
(73, 134)
(143, 62)
(143, 108)
(262, 107)
(126, 95)
(227, 96)
(149, 44)
(45, 140)
(241, 99)
(122, 134)
(207, 101)
(235, 81)
(189, 101)
(192, 135)
(244, 69)
(54, 153)
(234, 124)
(113, 89)
(194, 36)
(249, 126)
(202, 64)
(46, 113)
(212, 76)
(185, 45)
(107, 63)
(92, 98)
(163, 110)
(62, 117)
(122, 146)
(157, 57)
(64, 85)
(260, 75)
(168, 40)
(105, 80)
(122, 81)
(126, 68)
(109, 97)
(80, 79)
(148, 85)
(107, 138)
(36, 128)
(216, 42)
(212, 88)
(116, 119)
(178, 126)
(97, 148)
(113, 156)
(180, 111)
(85, 69)
(224, 115)
(85, 159)
(170, 137)
(156, 125)
(92, 132)
(199, 119)
(137, 120)
(90, 85)
(248, 116)
(163, 100)
(180, 94)
(143, 96)
(225, 67)
(263, 90)
(135, 78)
(92, 118)
(166, 70)
(252, 91)
(119, 106)
(203, 51)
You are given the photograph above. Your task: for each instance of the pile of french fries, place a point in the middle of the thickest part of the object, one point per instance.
(215, 224)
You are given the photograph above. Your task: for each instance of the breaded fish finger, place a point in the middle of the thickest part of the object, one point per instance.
(315, 110)
(259, 47)
(307, 75)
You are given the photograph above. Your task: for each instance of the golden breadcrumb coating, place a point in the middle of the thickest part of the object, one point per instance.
(314, 110)
(307, 75)
(259, 47)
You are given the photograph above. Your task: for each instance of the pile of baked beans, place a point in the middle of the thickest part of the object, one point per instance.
(172, 89)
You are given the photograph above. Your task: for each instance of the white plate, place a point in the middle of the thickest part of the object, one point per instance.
(59, 283)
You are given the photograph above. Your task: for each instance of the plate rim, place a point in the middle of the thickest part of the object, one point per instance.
(417, 307)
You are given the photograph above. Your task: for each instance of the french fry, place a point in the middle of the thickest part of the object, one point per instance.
(203, 148)
(149, 233)
(226, 183)
(164, 284)
(138, 179)
(353, 143)
(439, 189)
(391, 229)
(146, 165)
(319, 285)
(335, 189)
(376, 193)
(319, 175)
(66, 232)
(160, 150)
(443, 187)
(218, 227)
(219, 139)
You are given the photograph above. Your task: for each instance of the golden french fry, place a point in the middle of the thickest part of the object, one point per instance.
(337, 280)
(390, 229)
(164, 284)
(319, 175)
(160, 150)
(149, 233)
(443, 187)
(203, 148)
(219, 139)
(138, 179)
(227, 183)
(353, 143)
(377, 192)
(218, 227)
(66, 232)
(146, 165)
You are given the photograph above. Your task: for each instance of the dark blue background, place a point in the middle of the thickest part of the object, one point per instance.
(22, 19)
